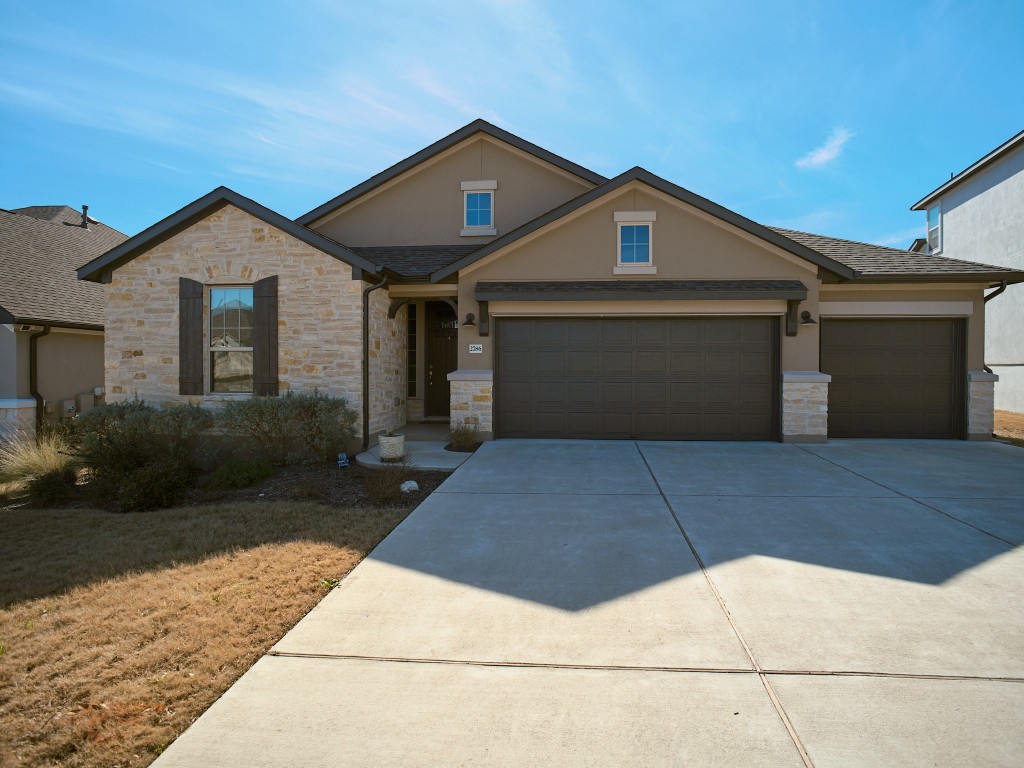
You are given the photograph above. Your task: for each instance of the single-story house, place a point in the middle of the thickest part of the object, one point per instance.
(491, 282)
(51, 324)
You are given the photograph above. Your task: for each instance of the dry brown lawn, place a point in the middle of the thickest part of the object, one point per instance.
(118, 631)
(1010, 426)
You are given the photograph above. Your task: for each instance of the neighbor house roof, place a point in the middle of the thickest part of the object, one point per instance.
(877, 262)
(467, 131)
(667, 187)
(199, 209)
(1003, 149)
(40, 249)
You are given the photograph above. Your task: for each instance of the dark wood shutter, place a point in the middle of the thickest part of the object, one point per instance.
(190, 337)
(264, 351)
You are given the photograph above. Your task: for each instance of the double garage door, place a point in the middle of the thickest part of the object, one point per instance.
(638, 378)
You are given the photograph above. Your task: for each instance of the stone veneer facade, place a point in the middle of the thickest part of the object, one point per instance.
(472, 400)
(388, 361)
(319, 310)
(980, 404)
(805, 406)
(17, 417)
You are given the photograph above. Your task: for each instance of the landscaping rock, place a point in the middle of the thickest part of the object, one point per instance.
(409, 486)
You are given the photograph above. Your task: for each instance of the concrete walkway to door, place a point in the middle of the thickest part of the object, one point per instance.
(618, 603)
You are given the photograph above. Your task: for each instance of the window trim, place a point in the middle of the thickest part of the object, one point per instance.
(208, 340)
(472, 188)
(937, 228)
(634, 219)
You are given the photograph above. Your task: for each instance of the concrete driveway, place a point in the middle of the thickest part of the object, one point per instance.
(617, 603)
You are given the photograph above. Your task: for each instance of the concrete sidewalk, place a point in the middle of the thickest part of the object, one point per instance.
(617, 603)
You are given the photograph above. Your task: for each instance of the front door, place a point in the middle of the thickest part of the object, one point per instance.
(442, 357)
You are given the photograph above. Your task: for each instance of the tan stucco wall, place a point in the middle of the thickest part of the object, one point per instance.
(424, 206)
(8, 362)
(69, 364)
(924, 300)
(687, 244)
(319, 309)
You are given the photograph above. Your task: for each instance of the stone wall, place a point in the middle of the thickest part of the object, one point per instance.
(980, 404)
(388, 362)
(805, 406)
(472, 401)
(319, 310)
(17, 417)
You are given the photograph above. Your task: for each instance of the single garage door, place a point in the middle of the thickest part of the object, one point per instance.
(894, 377)
(637, 378)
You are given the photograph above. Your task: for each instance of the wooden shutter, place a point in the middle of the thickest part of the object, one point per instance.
(190, 337)
(264, 350)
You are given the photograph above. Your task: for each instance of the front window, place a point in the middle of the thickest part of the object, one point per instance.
(934, 229)
(634, 244)
(479, 209)
(231, 332)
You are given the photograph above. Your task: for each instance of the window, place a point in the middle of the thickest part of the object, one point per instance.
(478, 208)
(934, 229)
(635, 247)
(231, 339)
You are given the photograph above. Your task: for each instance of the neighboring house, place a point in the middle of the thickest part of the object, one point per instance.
(488, 281)
(51, 324)
(978, 215)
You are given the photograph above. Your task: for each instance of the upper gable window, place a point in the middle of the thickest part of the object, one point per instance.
(635, 246)
(478, 208)
(934, 229)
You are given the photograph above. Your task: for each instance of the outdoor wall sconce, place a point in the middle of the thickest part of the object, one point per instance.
(470, 319)
(806, 319)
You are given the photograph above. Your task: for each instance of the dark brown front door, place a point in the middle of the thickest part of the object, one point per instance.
(894, 377)
(442, 357)
(672, 378)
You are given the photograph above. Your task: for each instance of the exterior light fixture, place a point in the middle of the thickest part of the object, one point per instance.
(806, 319)
(470, 319)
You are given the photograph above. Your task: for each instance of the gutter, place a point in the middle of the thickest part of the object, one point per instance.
(988, 298)
(366, 353)
(33, 372)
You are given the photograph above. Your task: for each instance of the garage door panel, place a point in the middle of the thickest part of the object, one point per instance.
(637, 378)
(894, 377)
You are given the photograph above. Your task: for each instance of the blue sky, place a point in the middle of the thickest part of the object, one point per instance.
(823, 116)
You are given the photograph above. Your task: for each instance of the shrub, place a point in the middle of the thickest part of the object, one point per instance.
(141, 457)
(383, 484)
(463, 438)
(24, 458)
(292, 428)
(239, 473)
(54, 487)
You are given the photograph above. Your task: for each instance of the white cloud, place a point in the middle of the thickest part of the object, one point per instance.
(827, 152)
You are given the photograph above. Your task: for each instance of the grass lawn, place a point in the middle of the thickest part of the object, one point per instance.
(1010, 426)
(118, 631)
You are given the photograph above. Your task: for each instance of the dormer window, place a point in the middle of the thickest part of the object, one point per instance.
(478, 208)
(635, 243)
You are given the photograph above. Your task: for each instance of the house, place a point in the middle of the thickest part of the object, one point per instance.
(51, 324)
(978, 215)
(491, 282)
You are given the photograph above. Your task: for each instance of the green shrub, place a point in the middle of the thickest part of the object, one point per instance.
(240, 473)
(293, 428)
(54, 487)
(463, 438)
(157, 485)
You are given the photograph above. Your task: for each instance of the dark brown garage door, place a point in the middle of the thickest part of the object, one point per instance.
(894, 378)
(639, 378)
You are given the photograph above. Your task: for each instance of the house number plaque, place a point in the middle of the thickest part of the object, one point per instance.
(476, 349)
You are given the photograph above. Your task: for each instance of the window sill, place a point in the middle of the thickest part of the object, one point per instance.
(478, 231)
(635, 270)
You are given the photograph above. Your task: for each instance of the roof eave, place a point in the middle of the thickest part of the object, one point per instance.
(180, 220)
(988, 278)
(1003, 149)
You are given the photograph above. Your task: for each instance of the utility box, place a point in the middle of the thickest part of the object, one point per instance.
(85, 402)
(67, 408)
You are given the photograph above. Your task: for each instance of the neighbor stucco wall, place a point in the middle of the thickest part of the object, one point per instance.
(319, 309)
(983, 220)
(424, 206)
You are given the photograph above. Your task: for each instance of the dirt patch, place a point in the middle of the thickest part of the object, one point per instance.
(1010, 426)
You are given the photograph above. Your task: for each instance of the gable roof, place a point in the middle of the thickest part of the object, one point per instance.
(1003, 149)
(467, 131)
(655, 182)
(882, 264)
(199, 209)
(414, 260)
(40, 248)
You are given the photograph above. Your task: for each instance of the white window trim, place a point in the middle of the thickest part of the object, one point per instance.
(479, 186)
(469, 187)
(633, 218)
(927, 229)
(210, 349)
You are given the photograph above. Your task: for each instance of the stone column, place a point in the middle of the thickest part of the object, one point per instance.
(805, 406)
(472, 401)
(17, 416)
(981, 387)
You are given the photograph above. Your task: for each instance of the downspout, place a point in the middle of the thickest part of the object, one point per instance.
(33, 373)
(989, 297)
(366, 355)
